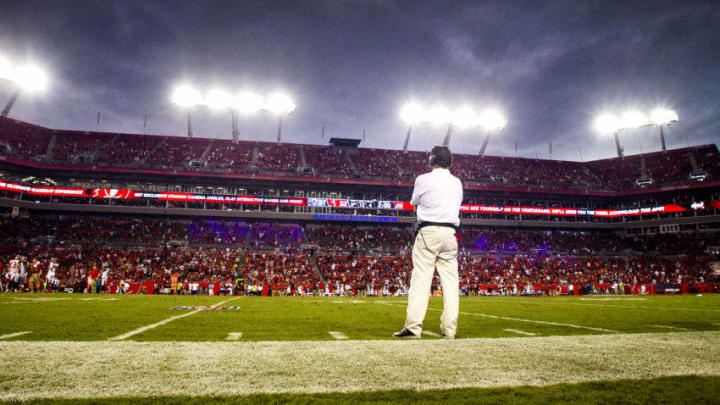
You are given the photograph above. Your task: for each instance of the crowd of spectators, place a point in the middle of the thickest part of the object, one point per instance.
(280, 271)
(278, 157)
(574, 243)
(341, 239)
(23, 140)
(328, 161)
(173, 152)
(72, 147)
(708, 160)
(354, 274)
(671, 167)
(535, 172)
(349, 260)
(347, 238)
(31, 142)
(227, 156)
(127, 150)
(375, 162)
(411, 163)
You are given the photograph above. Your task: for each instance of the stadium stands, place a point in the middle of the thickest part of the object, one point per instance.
(173, 152)
(328, 161)
(227, 156)
(33, 143)
(278, 157)
(344, 257)
(73, 147)
(279, 271)
(348, 238)
(126, 150)
(375, 162)
(23, 140)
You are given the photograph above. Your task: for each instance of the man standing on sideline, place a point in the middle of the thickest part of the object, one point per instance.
(437, 197)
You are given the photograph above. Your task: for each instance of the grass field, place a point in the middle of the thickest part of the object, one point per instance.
(138, 349)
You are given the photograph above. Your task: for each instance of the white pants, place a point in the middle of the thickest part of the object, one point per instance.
(435, 247)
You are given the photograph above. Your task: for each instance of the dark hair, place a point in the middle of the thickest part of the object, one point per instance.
(440, 156)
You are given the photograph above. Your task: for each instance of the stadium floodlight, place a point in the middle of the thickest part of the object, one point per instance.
(492, 120)
(663, 116)
(221, 100)
(463, 117)
(30, 78)
(248, 102)
(279, 103)
(607, 124)
(26, 77)
(439, 115)
(5, 72)
(466, 117)
(633, 119)
(218, 99)
(612, 124)
(185, 96)
(412, 113)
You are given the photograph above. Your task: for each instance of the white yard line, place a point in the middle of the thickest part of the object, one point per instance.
(337, 335)
(508, 318)
(427, 332)
(520, 332)
(668, 327)
(163, 322)
(12, 335)
(234, 336)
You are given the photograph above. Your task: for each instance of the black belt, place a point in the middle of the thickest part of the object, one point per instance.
(423, 224)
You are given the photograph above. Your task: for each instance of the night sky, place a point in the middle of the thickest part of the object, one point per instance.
(551, 66)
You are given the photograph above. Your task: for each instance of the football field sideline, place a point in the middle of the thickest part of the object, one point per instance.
(55, 369)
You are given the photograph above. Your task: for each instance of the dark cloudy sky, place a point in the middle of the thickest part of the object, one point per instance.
(351, 65)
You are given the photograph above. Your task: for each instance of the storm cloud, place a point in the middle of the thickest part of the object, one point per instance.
(351, 65)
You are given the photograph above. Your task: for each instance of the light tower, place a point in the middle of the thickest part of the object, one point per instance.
(491, 120)
(280, 105)
(221, 100)
(245, 102)
(440, 115)
(613, 124)
(411, 114)
(187, 98)
(27, 78)
(661, 117)
(463, 117)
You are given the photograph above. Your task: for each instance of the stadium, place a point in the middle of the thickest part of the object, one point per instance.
(152, 268)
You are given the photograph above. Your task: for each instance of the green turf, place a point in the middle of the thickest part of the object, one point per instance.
(666, 390)
(72, 317)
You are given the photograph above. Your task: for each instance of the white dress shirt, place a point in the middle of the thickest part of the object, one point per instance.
(437, 196)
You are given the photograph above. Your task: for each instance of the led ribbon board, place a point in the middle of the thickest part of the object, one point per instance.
(330, 202)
